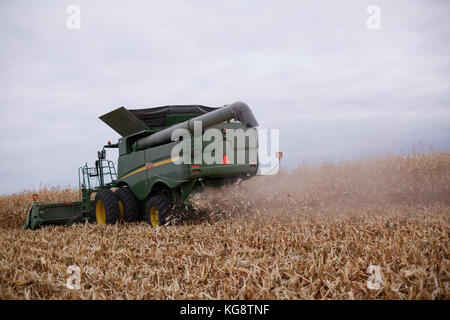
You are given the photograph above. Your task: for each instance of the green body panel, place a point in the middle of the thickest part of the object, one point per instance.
(133, 167)
(142, 182)
(138, 181)
(169, 173)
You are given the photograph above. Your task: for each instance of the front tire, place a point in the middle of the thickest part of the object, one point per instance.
(159, 210)
(129, 204)
(106, 207)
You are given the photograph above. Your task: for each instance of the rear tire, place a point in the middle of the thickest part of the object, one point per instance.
(159, 210)
(129, 203)
(106, 207)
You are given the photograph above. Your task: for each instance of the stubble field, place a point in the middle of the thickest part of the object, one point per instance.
(308, 233)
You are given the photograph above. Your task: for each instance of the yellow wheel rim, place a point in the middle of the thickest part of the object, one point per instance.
(100, 212)
(122, 210)
(154, 217)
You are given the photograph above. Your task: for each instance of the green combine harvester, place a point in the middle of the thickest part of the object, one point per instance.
(148, 181)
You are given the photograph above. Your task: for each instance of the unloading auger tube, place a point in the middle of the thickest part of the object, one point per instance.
(238, 110)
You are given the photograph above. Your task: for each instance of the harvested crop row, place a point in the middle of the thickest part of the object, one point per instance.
(277, 257)
(307, 234)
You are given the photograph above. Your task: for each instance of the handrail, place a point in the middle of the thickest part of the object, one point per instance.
(89, 178)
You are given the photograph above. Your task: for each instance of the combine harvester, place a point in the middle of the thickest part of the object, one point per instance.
(149, 180)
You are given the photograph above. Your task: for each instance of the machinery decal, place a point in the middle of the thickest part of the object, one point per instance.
(150, 165)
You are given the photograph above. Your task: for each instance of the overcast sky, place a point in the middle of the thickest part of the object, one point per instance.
(335, 88)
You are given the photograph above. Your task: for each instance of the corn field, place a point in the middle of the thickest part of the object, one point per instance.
(315, 232)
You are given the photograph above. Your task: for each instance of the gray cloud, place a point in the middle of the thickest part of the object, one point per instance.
(336, 89)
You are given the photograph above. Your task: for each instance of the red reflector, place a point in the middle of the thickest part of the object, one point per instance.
(196, 172)
(68, 203)
(195, 166)
(225, 160)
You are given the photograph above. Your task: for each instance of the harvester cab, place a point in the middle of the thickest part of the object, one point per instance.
(162, 156)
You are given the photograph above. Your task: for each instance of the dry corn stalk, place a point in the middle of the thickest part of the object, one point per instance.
(310, 233)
